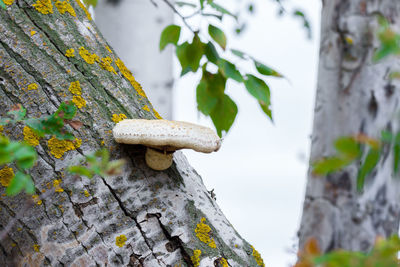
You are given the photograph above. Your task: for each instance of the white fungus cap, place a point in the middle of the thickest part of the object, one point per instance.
(167, 135)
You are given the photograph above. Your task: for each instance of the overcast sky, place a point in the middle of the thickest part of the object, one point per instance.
(259, 174)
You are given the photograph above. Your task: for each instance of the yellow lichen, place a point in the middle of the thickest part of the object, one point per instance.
(156, 114)
(37, 199)
(128, 75)
(120, 240)
(146, 108)
(33, 32)
(203, 233)
(108, 49)
(6, 175)
(84, 9)
(70, 52)
(36, 247)
(86, 193)
(89, 58)
(258, 258)
(224, 262)
(33, 86)
(75, 88)
(105, 64)
(65, 6)
(30, 137)
(43, 6)
(59, 147)
(8, 2)
(118, 117)
(79, 101)
(196, 257)
(57, 187)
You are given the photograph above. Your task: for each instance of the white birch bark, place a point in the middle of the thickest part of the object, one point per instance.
(133, 28)
(354, 95)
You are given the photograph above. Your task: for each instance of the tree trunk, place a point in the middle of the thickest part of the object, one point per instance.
(167, 217)
(354, 95)
(138, 46)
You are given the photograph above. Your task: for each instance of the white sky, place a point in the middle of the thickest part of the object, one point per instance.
(259, 173)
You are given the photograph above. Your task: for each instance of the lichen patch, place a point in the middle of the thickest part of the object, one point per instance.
(65, 6)
(203, 233)
(118, 117)
(70, 52)
(128, 75)
(30, 137)
(6, 175)
(196, 257)
(59, 147)
(87, 56)
(43, 6)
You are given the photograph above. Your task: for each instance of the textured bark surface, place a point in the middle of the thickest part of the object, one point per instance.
(138, 46)
(159, 213)
(354, 95)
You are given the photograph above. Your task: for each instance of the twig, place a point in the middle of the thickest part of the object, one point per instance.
(179, 14)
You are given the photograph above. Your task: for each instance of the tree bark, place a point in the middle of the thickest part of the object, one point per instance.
(138, 46)
(160, 213)
(354, 95)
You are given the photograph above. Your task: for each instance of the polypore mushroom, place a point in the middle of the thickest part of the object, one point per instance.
(162, 138)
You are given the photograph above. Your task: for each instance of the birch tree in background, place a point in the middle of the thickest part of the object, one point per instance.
(355, 97)
(133, 28)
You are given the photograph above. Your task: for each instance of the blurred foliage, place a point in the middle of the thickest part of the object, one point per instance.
(98, 163)
(383, 254)
(24, 156)
(209, 54)
(361, 148)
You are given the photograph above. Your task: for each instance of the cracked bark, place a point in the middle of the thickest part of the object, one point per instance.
(354, 95)
(156, 211)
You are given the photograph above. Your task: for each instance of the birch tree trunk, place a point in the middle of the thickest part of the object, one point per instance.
(168, 218)
(138, 46)
(354, 95)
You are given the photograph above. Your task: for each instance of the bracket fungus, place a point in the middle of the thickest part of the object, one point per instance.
(163, 137)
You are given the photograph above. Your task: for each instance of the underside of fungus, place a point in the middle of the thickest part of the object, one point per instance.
(163, 137)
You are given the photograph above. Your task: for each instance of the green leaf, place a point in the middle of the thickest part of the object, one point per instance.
(206, 101)
(2, 4)
(221, 9)
(90, 3)
(170, 35)
(224, 114)
(369, 164)
(396, 153)
(66, 111)
(181, 4)
(25, 157)
(18, 183)
(257, 88)
(189, 55)
(80, 170)
(218, 35)
(348, 147)
(211, 53)
(216, 83)
(265, 70)
(266, 108)
(328, 165)
(306, 23)
(238, 53)
(229, 70)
